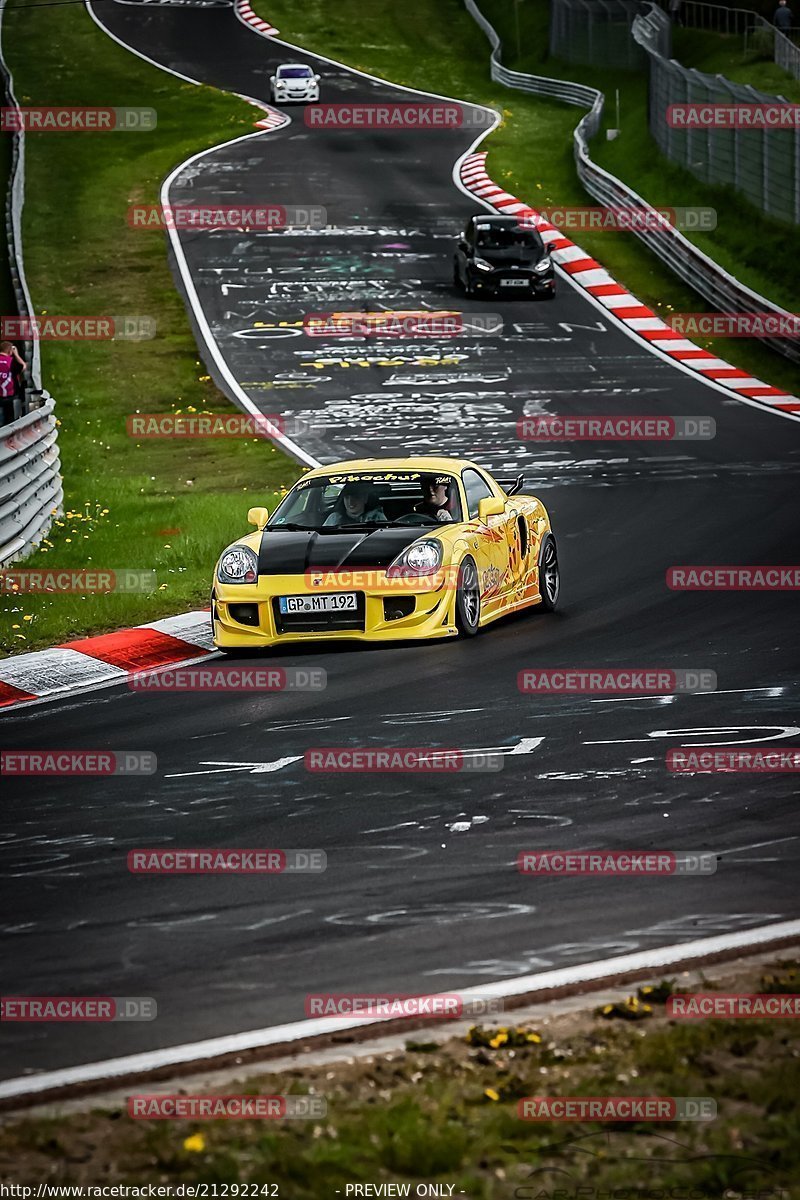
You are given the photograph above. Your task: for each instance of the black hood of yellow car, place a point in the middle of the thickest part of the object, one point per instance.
(292, 552)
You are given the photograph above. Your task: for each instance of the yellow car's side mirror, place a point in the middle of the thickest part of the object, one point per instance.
(489, 507)
(258, 517)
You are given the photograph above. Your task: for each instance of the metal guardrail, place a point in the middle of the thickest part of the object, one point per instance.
(716, 285)
(714, 18)
(31, 491)
(540, 85)
(30, 484)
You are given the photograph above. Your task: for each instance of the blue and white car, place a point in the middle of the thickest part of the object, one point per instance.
(294, 83)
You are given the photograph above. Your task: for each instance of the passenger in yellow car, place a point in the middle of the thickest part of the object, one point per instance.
(356, 504)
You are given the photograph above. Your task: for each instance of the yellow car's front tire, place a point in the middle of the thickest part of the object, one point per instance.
(549, 574)
(468, 598)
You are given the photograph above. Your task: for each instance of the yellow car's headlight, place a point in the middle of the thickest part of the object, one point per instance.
(421, 558)
(238, 564)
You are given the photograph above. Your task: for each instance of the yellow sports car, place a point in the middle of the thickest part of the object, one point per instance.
(385, 549)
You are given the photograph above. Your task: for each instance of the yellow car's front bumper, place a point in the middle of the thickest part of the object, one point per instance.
(248, 615)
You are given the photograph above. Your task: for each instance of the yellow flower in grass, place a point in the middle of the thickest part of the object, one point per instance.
(195, 1143)
(491, 1094)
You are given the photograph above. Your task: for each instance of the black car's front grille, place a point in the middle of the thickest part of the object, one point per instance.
(321, 622)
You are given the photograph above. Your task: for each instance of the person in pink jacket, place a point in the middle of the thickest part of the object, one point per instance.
(9, 357)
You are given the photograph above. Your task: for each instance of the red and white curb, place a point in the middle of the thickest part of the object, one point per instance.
(109, 658)
(244, 12)
(273, 119)
(638, 319)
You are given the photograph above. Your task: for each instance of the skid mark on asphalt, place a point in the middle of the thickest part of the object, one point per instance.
(559, 953)
(433, 914)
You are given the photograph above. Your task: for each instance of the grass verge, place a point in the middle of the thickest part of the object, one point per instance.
(443, 50)
(164, 505)
(724, 54)
(446, 1113)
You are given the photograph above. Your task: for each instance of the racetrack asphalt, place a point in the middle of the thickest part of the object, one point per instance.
(421, 892)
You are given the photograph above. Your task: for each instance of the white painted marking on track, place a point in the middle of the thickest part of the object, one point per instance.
(784, 731)
(772, 693)
(754, 846)
(391, 828)
(260, 768)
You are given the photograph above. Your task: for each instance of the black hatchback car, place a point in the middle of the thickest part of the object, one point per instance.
(501, 254)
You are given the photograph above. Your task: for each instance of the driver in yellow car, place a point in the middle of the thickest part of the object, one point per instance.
(356, 504)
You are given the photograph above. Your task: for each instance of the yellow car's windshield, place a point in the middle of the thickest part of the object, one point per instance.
(369, 499)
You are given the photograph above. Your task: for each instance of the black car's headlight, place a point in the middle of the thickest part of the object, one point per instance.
(238, 564)
(420, 558)
(543, 265)
(482, 264)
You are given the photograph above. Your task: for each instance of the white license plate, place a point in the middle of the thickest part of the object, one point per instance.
(515, 282)
(336, 602)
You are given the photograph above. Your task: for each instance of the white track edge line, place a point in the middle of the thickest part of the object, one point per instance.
(211, 343)
(134, 1064)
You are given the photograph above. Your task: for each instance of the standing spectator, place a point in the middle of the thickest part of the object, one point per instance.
(783, 18)
(675, 11)
(12, 364)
